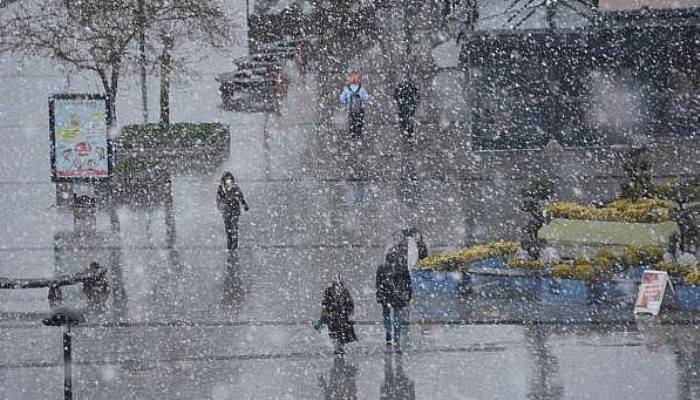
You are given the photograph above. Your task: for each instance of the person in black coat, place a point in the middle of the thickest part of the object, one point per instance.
(406, 97)
(337, 308)
(394, 292)
(96, 287)
(229, 199)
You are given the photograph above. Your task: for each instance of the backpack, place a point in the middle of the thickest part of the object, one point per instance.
(355, 104)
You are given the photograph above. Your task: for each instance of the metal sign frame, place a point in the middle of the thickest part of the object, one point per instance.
(52, 137)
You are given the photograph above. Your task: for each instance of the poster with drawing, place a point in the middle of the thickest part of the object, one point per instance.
(79, 137)
(651, 292)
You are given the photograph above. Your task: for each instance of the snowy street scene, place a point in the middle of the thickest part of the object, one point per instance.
(373, 199)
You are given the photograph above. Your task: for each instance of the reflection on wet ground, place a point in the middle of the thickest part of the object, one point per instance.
(440, 361)
(187, 319)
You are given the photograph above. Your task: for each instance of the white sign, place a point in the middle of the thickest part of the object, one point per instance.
(651, 292)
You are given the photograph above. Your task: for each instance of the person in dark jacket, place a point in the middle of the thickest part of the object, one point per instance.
(229, 199)
(337, 308)
(406, 96)
(96, 287)
(394, 292)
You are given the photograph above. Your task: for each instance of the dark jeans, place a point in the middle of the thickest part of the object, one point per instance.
(356, 121)
(231, 224)
(406, 124)
(323, 321)
(392, 324)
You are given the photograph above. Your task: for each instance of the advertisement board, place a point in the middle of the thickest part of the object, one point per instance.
(78, 130)
(651, 292)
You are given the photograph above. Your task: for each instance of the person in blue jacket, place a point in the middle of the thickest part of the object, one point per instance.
(355, 99)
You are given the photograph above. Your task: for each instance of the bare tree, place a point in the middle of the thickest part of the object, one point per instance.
(93, 35)
(101, 35)
(199, 22)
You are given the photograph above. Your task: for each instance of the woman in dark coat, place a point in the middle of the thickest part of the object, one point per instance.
(229, 199)
(336, 309)
(406, 97)
(96, 287)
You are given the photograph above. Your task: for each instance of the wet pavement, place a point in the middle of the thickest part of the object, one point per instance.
(193, 323)
(286, 361)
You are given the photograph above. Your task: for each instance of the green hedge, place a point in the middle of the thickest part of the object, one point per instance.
(183, 130)
(129, 165)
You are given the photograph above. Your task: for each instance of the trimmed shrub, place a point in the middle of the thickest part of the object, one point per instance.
(623, 210)
(674, 269)
(693, 278)
(459, 260)
(581, 269)
(562, 271)
(128, 165)
(584, 272)
(634, 255)
(180, 132)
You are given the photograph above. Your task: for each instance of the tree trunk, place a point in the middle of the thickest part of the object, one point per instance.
(109, 84)
(165, 70)
(550, 11)
(113, 93)
(142, 59)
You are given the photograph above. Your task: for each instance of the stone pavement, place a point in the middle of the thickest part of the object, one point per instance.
(196, 325)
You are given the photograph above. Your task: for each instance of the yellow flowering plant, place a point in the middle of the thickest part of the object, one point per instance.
(623, 210)
(693, 278)
(459, 260)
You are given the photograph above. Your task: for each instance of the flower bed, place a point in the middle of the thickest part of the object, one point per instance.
(563, 291)
(623, 210)
(607, 277)
(460, 260)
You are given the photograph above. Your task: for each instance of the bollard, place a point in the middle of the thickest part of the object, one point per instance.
(67, 364)
(66, 316)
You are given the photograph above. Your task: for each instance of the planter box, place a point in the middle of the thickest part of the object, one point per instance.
(563, 291)
(493, 262)
(512, 287)
(634, 273)
(181, 149)
(574, 291)
(425, 281)
(687, 297)
(604, 293)
(571, 237)
(142, 188)
(523, 287)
